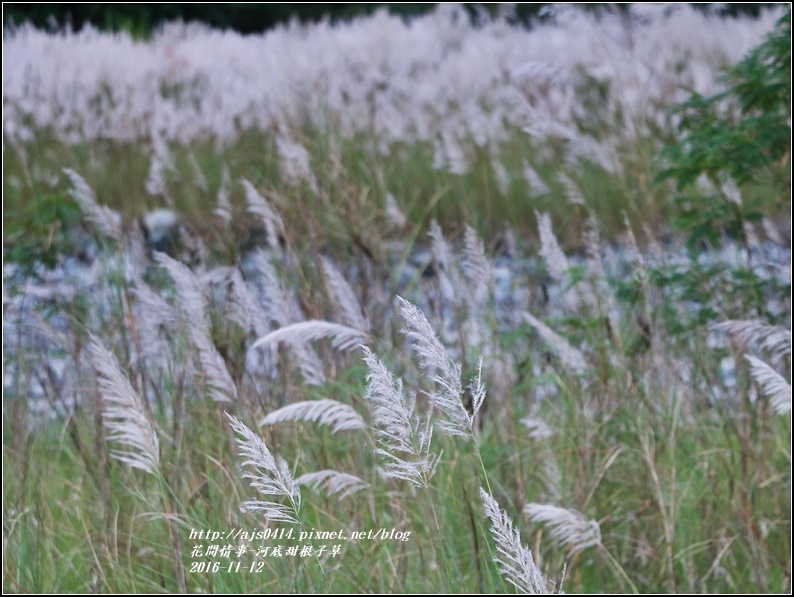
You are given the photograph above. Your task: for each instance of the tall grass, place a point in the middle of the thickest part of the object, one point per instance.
(437, 378)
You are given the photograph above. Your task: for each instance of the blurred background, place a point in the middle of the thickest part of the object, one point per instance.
(142, 19)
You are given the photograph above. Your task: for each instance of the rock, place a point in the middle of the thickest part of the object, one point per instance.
(162, 229)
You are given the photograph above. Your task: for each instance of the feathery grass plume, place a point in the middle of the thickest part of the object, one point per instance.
(105, 219)
(162, 162)
(446, 373)
(393, 212)
(295, 162)
(189, 289)
(476, 266)
(284, 309)
(217, 377)
(333, 482)
(572, 190)
(403, 441)
(535, 182)
(774, 385)
(339, 416)
(730, 191)
(270, 476)
(124, 414)
(341, 336)
(447, 274)
(441, 251)
(571, 357)
(775, 339)
(311, 366)
(501, 177)
(515, 561)
(449, 155)
(244, 309)
(198, 173)
(772, 233)
(259, 206)
(351, 311)
(538, 429)
(280, 304)
(634, 253)
(156, 307)
(193, 304)
(556, 262)
(153, 314)
(604, 297)
(224, 206)
(568, 526)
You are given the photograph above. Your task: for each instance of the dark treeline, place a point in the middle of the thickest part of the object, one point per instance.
(141, 19)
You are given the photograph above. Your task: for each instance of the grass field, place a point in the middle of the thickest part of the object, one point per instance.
(296, 401)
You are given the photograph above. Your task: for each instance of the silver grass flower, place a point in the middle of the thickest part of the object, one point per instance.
(278, 299)
(339, 416)
(575, 196)
(570, 357)
(224, 206)
(538, 429)
(772, 232)
(244, 308)
(775, 339)
(535, 182)
(731, 191)
(476, 266)
(333, 482)
(341, 336)
(155, 306)
(188, 288)
(446, 373)
(217, 377)
(634, 253)
(501, 177)
(295, 162)
(403, 441)
(198, 174)
(193, 303)
(448, 277)
(270, 476)
(395, 216)
(569, 527)
(105, 219)
(441, 251)
(556, 262)
(283, 309)
(259, 206)
(310, 364)
(124, 414)
(515, 561)
(774, 385)
(349, 306)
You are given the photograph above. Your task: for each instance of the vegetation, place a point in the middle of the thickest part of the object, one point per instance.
(456, 359)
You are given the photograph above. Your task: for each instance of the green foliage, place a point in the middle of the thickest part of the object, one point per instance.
(738, 137)
(745, 131)
(39, 232)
